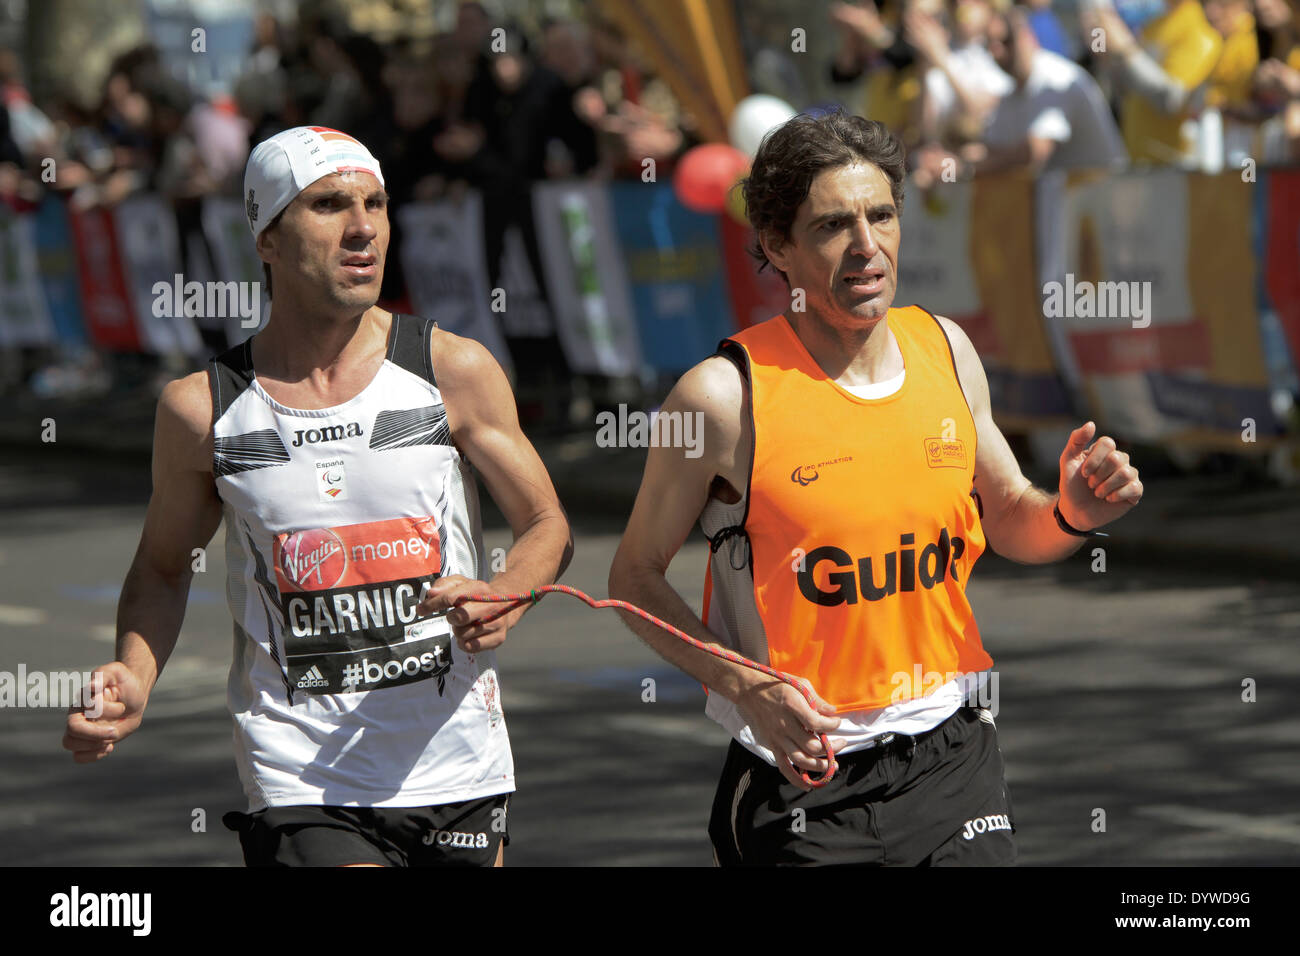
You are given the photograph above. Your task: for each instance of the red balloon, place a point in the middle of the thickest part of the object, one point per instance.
(705, 173)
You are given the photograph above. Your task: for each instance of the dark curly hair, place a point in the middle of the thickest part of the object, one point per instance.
(795, 152)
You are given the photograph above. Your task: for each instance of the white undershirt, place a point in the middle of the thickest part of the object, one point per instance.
(861, 729)
(877, 389)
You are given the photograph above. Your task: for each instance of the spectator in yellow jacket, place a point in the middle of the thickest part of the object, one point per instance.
(1173, 59)
(1230, 82)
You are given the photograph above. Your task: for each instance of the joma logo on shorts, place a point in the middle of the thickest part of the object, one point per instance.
(994, 821)
(456, 840)
(312, 436)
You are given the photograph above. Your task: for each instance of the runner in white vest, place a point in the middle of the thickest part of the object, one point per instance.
(337, 443)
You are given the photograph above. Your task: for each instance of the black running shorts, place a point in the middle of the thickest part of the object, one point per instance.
(934, 799)
(452, 834)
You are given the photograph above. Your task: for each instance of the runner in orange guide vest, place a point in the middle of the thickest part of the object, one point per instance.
(851, 474)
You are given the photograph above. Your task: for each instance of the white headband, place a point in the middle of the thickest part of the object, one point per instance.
(287, 163)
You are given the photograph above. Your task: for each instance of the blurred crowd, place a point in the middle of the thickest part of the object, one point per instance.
(475, 107)
(979, 85)
(969, 85)
(467, 108)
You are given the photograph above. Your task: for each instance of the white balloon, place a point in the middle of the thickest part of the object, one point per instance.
(753, 118)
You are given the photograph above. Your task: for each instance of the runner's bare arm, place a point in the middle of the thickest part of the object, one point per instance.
(1097, 483)
(485, 426)
(184, 512)
(674, 490)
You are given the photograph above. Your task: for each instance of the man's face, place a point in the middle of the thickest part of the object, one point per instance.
(1272, 14)
(472, 26)
(1002, 44)
(1223, 14)
(1012, 46)
(971, 19)
(509, 70)
(331, 242)
(843, 246)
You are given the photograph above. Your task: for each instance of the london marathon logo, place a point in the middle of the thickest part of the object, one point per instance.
(350, 597)
(312, 560)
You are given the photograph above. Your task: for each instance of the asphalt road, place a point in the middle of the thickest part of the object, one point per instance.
(1118, 691)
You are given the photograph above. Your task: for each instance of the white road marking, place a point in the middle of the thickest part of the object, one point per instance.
(696, 729)
(1272, 828)
(512, 700)
(12, 614)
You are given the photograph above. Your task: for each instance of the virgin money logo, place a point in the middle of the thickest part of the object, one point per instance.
(313, 559)
(945, 453)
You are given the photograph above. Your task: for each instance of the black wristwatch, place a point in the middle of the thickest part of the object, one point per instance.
(1065, 526)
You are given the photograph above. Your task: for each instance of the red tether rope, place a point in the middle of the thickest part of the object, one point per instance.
(514, 601)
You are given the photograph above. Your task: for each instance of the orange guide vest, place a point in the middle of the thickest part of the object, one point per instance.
(861, 522)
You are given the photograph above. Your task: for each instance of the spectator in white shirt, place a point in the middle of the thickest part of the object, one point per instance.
(961, 84)
(1054, 118)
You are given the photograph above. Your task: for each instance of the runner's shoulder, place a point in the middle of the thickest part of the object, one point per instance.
(474, 387)
(956, 334)
(963, 350)
(183, 425)
(460, 360)
(714, 387)
(715, 390)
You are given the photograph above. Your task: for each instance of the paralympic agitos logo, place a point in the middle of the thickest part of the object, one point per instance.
(804, 475)
(902, 570)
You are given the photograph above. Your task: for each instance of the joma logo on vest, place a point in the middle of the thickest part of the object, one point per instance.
(313, 436)
(902, 570)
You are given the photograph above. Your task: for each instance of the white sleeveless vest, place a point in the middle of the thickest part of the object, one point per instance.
(336, 520)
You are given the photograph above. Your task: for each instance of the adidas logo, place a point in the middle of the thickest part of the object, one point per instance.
(313, 678)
